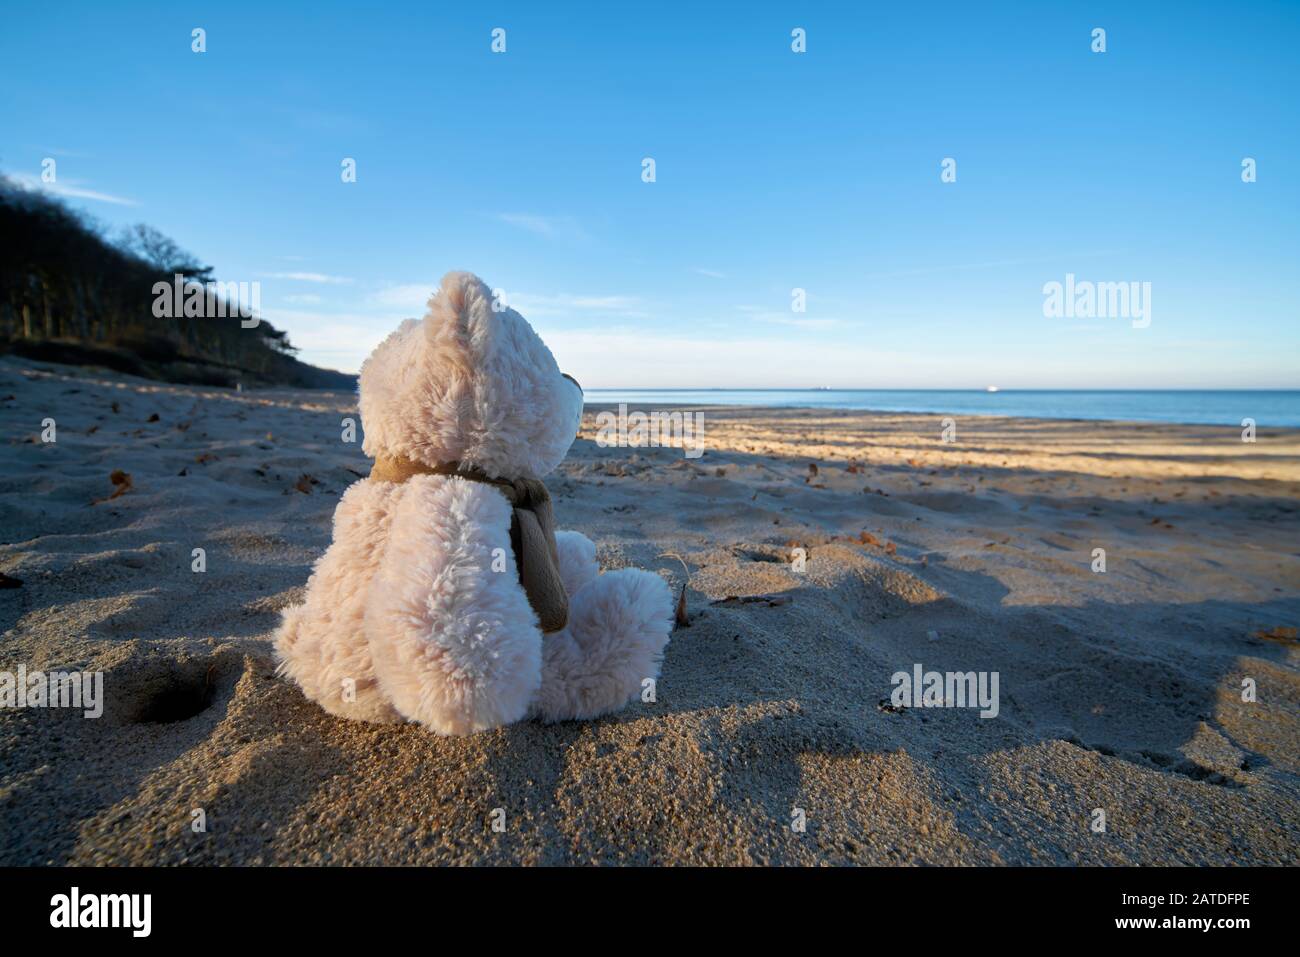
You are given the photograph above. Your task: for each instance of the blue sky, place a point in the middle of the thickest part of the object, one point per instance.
(775, 171)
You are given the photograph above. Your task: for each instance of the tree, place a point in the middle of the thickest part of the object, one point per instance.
(161, 252)
(68, 293)
(277, 339)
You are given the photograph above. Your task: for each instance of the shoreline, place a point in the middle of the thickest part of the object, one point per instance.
(704, 406)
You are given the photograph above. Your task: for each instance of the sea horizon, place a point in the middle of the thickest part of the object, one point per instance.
(1266, 407)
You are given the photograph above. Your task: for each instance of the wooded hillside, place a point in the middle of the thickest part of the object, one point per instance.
(70, 294)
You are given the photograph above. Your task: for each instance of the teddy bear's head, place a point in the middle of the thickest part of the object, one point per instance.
(469, 384)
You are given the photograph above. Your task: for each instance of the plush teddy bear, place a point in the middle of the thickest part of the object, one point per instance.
(446, 597)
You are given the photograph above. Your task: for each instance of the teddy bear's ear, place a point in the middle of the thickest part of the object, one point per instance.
(469, 383)
(459, 295)
(461, 301)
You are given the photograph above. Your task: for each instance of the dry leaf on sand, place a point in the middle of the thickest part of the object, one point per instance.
(121, 484)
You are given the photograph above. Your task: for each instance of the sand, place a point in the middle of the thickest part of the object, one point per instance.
(1119, 691)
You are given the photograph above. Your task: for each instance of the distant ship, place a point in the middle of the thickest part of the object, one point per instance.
(991, 388)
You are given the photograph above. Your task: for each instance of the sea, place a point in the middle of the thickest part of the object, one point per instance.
(1277, 408)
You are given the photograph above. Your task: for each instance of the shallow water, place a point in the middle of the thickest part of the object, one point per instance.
(1210, 407)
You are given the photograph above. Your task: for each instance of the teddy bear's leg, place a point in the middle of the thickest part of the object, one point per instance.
(455, 644)
(320, 644)
(578, 565)
(614, 640)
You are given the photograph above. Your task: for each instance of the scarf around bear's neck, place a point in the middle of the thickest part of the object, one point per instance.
(532, 530)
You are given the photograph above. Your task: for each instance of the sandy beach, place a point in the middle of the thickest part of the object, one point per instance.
(1119, 691)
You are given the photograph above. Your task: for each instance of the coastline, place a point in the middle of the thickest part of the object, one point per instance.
(598, 405)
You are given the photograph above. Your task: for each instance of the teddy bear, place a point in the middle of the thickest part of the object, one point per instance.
(447, 597)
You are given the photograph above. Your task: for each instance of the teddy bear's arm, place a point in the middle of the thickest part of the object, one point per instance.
(320, 643)
(455, 644)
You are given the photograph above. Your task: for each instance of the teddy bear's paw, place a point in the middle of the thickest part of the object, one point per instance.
(578, 566)
(456, 663)
(614, 641)
(334, 673)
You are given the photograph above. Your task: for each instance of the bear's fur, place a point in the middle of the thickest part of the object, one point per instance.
(404, 617)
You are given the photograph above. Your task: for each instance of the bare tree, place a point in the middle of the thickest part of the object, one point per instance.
(161, 252)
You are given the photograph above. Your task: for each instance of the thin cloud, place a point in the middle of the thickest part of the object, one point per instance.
(409, 297)
(651, 359)
(711, 273)
(70, 154)
(534, 224)
(793, 320)
(802, 323)
(412, 297)
(339, 340)
(567, 303)
(317, 277)
(70, 189)
(550, 227)
(994, 264)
